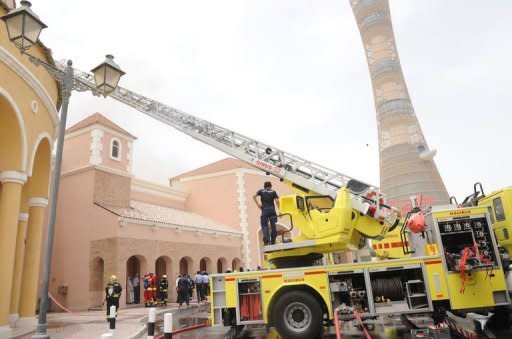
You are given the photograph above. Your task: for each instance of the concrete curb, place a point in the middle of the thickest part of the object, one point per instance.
(143, 320)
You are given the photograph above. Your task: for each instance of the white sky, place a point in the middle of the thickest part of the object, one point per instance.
(293, 73)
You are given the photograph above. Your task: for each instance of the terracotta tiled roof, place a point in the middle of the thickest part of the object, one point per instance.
(97, 118)
(218, 166)
(165, 215)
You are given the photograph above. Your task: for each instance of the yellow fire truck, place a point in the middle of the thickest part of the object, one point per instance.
(455, 268)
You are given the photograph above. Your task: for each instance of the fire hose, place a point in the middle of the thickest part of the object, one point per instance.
(358, 318)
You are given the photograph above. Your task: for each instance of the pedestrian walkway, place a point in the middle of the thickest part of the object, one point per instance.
(93, 324)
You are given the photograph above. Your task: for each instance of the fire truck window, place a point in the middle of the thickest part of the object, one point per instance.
(321, 203)
(498, 209)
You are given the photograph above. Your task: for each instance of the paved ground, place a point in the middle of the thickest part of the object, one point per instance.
(93, 324)
(203, 333)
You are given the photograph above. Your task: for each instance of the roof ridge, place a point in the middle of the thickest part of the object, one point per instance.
(98, 118)
(229, 161)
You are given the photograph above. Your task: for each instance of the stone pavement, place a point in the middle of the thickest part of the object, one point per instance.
(93, 324)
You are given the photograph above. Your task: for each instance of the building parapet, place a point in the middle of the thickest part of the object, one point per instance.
(140, 185)
(123, 221)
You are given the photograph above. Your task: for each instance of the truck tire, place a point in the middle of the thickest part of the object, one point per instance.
(297, 315)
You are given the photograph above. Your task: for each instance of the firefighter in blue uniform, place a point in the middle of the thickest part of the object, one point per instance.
(268, 211)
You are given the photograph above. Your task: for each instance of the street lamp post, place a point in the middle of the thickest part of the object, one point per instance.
(24, 27)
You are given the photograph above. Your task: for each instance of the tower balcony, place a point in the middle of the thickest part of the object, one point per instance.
(394, 107)
(362, 4)
(375, 18)
(388, 67)
(366, 7)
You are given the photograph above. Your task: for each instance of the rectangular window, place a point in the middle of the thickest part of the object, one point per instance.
(499, 212)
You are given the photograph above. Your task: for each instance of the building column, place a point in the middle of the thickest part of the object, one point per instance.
(18, 267)
(12, 184)
(30, 275)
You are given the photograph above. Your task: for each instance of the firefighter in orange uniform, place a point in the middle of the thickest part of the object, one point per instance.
(147, 290)
(153, 284)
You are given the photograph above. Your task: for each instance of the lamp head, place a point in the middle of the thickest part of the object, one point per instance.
(107, 75)
(23, 26)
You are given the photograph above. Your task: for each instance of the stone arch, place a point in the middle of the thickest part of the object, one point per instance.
(136, 264)
(163, 266)
(222, 265)
(236, 264)
(40, 139)
(13, 138)
(39, 170)
(205, 265)
(186, 265)
(97, 281)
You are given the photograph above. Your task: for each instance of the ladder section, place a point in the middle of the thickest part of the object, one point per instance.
(301, 172)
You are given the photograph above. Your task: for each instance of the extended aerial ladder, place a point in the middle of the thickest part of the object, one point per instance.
(357, 212)
(303, 174)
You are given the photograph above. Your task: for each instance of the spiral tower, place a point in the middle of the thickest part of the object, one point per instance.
(407, 168)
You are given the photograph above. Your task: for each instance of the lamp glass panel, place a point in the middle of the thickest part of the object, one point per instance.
(99, 76)
(107, 89)
(112, 76)
(101, 89)
(15, 26)
(32, 29)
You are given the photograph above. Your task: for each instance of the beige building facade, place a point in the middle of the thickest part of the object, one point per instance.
(407, 167)
(109, 222)
(29, 100)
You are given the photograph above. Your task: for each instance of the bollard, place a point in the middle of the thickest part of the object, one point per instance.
(168, 326)
(151, 323)
(112, 319)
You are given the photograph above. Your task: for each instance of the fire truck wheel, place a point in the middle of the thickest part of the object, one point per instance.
(297, 315)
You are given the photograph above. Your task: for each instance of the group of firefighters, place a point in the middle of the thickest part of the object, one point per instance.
(156, 292)
(268, 199)
(151, 289)
(185, 287)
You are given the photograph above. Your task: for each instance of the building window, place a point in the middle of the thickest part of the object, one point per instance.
(115, 149)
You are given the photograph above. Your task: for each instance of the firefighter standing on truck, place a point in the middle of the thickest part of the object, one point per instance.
(268, 211)
(164, 285)
(112, 294)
